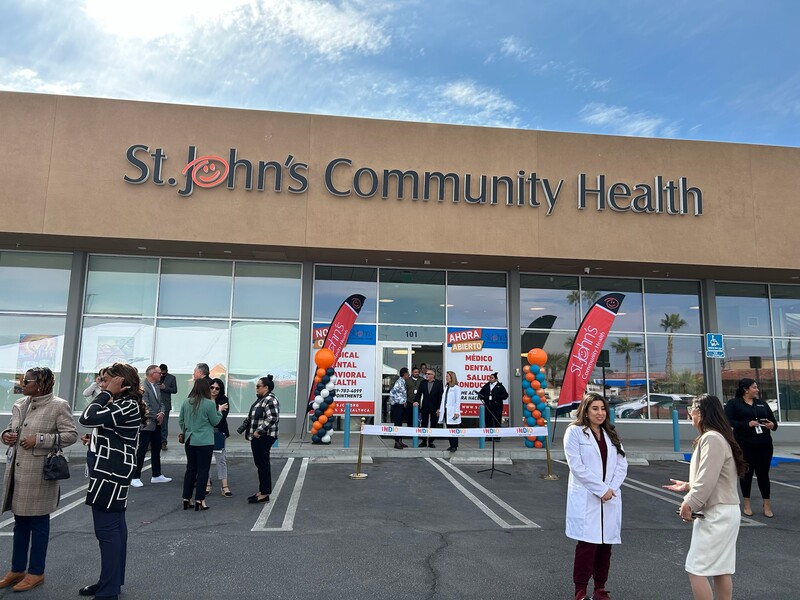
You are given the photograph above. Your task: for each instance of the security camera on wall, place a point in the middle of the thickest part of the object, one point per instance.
(586, 270)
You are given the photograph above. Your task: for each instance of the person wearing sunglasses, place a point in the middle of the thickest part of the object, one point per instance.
(711, 501)
(221, 433)
(260, 426)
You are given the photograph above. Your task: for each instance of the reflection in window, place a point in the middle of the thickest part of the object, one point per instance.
(676, 364)
(787, 352)
(258, 349)
(742, 309)
(412, 297)
(333, 285)
(195, 288)
(786, 310)
(121, 285)
(748, 357)
(627, 372)
(672, 306)
(34, 281)
(27, 342)
(266, 291)
(552, 300)
(630, 317)
(181, 344)
(476, 299)
(557, 346)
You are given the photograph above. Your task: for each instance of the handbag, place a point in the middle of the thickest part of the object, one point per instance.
(219, 440)
(55, 465)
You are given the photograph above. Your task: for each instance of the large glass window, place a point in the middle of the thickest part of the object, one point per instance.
(787, 352)
(630, 316)
(266, 291)
(742, 309)
(34, 282)
(672, 306)
(675, 364)
(195, 288)
(786, 310)
(121, 285)
(749, 357)
(549, 302)
(476, 299)
(412, 297)
(333, 285)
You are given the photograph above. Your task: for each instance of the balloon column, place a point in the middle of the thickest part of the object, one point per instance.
(324, 397)
(533, 395)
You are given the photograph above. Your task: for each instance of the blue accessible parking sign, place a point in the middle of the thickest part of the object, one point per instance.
(714, 347)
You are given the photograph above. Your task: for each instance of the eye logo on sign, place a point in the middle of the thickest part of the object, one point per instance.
(207, 171)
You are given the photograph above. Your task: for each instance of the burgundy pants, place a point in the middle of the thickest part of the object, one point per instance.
(591, 561)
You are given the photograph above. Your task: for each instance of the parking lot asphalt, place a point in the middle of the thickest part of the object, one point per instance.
(416, 528)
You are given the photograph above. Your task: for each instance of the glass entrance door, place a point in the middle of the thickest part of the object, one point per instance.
(394, 356)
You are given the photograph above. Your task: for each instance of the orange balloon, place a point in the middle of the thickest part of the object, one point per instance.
(537, 356)
(317, 380)
(315, 427)
(538, 444)
(540, 422)
(526, 399)
(328, 412)
(324, 358)
(540, 392)
(531, 407)
(531, 438)
(535, 384)
(321, 372)
(526, 369)
(536, 414)
(530, 376)
(322, 419)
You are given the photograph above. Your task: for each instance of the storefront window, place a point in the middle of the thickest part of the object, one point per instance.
(549, 302)
(672, 306)
(476, 299)
(412, 297)
(626, 377)
(121, 285)
(259, 349)
(675, 364)
(787, 352)
(786, 310)
(742, 309)
(630, 316)
(557, 346)
(748, 357)
(195, 288)
(266, 291)
(333, 285)
(34, 282)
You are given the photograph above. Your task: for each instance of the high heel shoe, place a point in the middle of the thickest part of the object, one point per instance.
(187, 504)
(200, 506)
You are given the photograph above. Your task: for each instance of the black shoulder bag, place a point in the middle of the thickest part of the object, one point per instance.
(55, 465)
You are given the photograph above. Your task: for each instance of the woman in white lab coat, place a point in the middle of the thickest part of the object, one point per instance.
(449, 412)
(597, 468)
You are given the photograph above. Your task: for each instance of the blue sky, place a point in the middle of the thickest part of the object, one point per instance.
(723, 70)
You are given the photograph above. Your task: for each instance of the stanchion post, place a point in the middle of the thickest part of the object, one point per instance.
(358, 474)
(676, 434)
(482, 425)
(415, 421)
(550, 475)
(346, 438)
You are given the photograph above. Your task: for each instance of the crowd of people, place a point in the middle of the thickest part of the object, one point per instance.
(127, 418)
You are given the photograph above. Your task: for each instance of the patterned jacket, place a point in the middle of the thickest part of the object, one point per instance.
(117, 432)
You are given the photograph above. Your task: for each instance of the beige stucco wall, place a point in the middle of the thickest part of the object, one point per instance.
(65, 159)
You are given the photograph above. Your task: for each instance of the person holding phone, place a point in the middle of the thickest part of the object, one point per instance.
(717, 461)
(752, 421)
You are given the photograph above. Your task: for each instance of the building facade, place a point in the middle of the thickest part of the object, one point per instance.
(156, 233)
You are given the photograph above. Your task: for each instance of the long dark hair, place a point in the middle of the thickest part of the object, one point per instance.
(221, 397)
(712, 418)
(130, 379)
(200, 390)
(582, 419)
(742, 386)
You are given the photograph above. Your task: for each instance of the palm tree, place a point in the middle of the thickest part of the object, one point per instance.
(670, 323)
(574, 299)
(625, 346)
(556, 363)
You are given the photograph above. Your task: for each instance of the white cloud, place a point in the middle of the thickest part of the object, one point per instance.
(468, 93)
(513, 47)
(27, 80)
(619, 120)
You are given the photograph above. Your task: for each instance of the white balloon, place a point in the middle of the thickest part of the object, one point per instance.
(315, 405)
(329, 386)
(334, 379)
(324, 393)
(326, 439)
(317, 398)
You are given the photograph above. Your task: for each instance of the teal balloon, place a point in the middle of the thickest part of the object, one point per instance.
(535, 369)
(540, 406)
(529, 443)
(530, 421)
(540, 376)
(544, 385)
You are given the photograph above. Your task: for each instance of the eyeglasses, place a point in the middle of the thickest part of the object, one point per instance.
(258, 385)
(27, 381)
(215, 387)
(694, 407)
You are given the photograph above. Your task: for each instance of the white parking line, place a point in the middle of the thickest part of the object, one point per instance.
(796, 487)
(528, 524)
(261, 521)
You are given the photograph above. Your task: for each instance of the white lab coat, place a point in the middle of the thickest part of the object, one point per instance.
(589, 519)
(451, 399)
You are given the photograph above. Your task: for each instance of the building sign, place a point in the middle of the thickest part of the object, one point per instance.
(341, 179)
(473, 354)
(714, 346)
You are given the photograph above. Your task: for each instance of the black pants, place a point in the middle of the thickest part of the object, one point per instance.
(591, 561)
(198, 464)
(428, 419)
(261, 448)
(409, 414)
(151, 439)
(398, 414)
(112, 534)
(758, 458)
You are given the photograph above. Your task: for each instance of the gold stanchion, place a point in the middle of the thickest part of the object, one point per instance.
(550, 475)
(358, 474)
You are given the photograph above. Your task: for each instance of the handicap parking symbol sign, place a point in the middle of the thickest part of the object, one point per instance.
(714, 346)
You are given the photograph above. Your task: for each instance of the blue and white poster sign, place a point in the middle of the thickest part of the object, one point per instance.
(714, 346)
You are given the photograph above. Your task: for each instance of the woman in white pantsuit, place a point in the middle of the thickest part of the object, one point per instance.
(712, 501)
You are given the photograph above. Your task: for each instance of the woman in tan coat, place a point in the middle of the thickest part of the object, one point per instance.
(39, 422)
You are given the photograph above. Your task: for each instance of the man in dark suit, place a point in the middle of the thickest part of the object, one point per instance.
(168, 386)
(150, 431)
(492, 395)
(429, 398)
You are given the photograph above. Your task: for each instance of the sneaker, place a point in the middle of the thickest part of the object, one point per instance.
(161, 479)
(136, 483)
